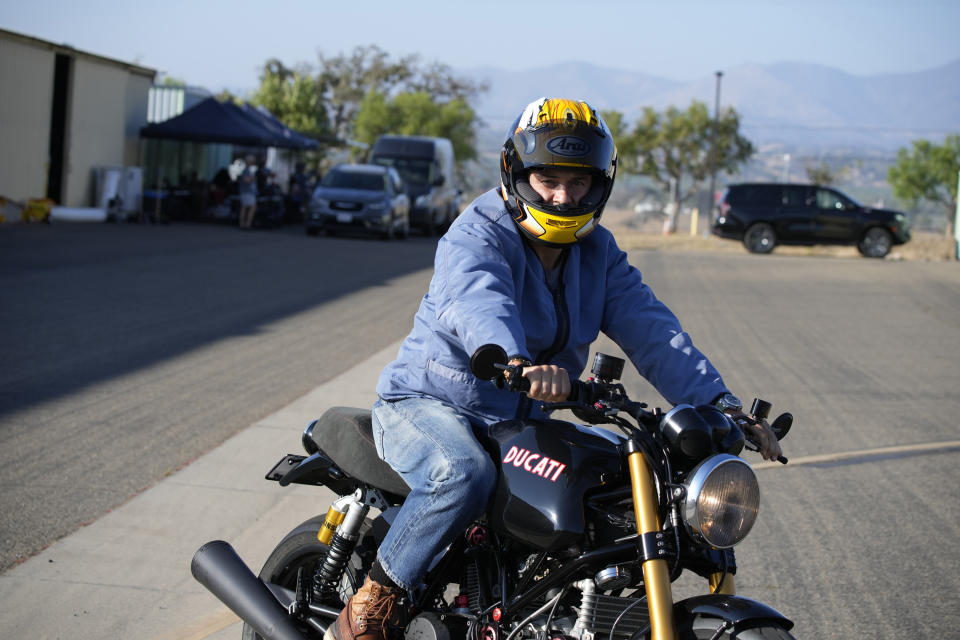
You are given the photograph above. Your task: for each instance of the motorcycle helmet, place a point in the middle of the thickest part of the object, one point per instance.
(560, 134)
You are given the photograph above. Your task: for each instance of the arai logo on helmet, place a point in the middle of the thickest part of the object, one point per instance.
(569, 146)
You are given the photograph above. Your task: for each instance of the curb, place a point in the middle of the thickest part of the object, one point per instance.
(127, 574)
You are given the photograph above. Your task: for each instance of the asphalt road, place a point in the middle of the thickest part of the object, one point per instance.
(128, 351)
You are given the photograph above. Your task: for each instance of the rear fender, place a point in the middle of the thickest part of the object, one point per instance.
(738, 612)
(316, 469)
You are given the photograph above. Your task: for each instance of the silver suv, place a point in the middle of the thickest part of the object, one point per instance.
(360, 198)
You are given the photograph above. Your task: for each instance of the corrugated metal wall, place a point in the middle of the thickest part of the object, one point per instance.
(106, 106)
(26, 78)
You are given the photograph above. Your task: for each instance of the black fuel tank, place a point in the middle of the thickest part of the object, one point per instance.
(545, 468)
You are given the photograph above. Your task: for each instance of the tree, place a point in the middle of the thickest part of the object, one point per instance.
(348, 79)
(822, 174)
(381, 94)
(294, 96)
(928, 172)
(675, 146)
(418, 114)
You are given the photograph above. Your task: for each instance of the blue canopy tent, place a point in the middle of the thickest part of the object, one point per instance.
(204, 126)
(263, 117)
(226, 123)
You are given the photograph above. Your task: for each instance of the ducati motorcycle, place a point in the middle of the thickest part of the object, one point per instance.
(587, 529)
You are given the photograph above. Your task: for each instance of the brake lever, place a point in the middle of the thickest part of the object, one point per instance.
(745, 419)
(512, 377)
(750, 445)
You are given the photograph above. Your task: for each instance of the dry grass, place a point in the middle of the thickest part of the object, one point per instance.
(931, 247)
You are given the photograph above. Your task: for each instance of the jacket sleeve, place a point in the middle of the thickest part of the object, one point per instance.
(651, 336)
(475, 284)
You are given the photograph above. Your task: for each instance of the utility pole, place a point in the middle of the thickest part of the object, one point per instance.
(713, 155)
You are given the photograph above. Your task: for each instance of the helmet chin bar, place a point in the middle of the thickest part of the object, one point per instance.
(552, 230)
(531, 226)
(586, 229)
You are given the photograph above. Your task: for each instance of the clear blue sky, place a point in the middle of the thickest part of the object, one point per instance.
(218, 44)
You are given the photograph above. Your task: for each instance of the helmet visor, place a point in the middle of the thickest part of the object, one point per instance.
(564, 145)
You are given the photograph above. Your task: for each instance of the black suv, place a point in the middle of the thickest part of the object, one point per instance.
(764, 215)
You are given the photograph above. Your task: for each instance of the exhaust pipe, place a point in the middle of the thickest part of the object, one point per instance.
(217, 567)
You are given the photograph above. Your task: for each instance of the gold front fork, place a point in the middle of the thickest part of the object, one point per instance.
(656, 573)
(727, 587)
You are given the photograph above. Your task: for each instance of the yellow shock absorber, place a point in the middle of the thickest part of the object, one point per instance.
(656, 573)
(330, 524)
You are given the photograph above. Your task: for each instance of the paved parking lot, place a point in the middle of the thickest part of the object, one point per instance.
(132, 352)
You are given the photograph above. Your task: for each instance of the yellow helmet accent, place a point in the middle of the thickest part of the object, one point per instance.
(554, 230)
(556, 111)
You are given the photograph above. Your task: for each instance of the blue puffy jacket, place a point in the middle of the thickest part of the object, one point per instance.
(489, 286)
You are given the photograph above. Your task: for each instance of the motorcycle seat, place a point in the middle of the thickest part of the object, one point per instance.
(345, 435)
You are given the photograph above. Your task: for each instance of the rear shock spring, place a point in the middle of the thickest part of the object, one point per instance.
(329, 575)
(471, 586)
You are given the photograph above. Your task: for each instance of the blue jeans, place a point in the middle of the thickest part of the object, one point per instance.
(450, 475)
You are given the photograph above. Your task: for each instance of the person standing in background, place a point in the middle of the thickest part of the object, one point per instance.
(247, 190)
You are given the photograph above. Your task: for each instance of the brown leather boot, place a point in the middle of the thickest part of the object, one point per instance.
(366, 614)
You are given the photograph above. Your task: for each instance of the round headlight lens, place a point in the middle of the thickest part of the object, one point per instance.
(723, 497)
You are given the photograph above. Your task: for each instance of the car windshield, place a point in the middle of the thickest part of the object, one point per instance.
(412, 170)
(354, 180)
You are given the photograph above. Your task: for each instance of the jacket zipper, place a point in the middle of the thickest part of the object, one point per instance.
(559, 341)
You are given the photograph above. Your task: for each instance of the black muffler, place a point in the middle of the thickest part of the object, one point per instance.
(217, 567)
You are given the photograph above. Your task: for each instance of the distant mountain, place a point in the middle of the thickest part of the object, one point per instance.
(790, 103)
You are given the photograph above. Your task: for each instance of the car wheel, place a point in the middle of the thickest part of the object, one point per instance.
(430, 228)
(875, 243)
(760, 238)
(390, 232)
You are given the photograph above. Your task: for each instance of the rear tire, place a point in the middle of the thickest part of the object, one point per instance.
(300, 548)
(760, 238)
(875, 243)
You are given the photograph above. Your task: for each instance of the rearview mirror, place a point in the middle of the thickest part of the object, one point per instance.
(484, 360)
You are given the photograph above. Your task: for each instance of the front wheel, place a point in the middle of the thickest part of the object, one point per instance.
(760, 238)
(710, 627)
(300, 548)
(875, 243)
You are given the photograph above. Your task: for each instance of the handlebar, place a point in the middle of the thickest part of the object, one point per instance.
(599, 400)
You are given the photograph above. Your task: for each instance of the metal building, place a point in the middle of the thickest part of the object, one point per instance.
(64, 113)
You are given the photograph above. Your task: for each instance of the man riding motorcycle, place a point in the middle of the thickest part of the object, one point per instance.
(526, 266)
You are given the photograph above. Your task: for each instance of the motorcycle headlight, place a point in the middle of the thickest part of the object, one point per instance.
(722, 500)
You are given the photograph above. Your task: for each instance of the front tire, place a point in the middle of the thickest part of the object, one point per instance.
(708, 627)
(300, 548)
(760, 238)
(875, 243)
